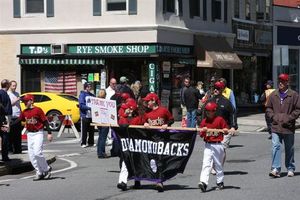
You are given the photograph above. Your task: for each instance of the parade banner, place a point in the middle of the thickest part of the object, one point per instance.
(153, 154)
(103, 111)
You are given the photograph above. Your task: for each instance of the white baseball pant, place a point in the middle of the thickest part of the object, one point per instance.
(123, 174)
(213, 152)
(35, 152)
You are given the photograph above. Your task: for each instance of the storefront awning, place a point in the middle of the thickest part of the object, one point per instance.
(215, 52)
(61, 61)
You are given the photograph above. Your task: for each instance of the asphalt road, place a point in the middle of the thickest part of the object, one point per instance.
(78, 175)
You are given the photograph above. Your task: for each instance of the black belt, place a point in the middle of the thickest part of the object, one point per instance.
(214, 142)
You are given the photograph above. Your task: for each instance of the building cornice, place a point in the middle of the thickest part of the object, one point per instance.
(114, 29)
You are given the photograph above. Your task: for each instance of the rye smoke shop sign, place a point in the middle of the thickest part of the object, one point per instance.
(128, 49)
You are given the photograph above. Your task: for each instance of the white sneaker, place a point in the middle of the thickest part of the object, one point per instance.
(84, 146)
(213, 171)
(290, 174)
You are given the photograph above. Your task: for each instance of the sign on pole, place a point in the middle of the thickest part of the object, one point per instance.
(103, 111)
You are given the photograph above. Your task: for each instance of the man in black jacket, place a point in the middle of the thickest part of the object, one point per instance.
(225, 110)
(191, 99)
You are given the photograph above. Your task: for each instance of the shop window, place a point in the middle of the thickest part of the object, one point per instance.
(169, 6)
(248, 15)
(194, 8)
(268, 10)
(216, 10)
(32, 8)
(237, 8)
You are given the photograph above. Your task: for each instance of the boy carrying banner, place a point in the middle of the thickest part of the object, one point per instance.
(157, 116)
(128, 115)
(214, 150)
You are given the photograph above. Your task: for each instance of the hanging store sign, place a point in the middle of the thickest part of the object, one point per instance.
(36, 49)
(242, 34)
(152, 77)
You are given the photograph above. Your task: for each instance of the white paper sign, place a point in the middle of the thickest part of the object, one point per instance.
(103, 111)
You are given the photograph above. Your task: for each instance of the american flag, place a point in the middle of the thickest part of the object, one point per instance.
(61, 82)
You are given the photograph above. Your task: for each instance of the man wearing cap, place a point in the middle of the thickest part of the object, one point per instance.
(123, 87)
(86, 116)
(265, 98)
(35, 121)
(225, 109)
(283, 108)
(228, 93)
(157, 116)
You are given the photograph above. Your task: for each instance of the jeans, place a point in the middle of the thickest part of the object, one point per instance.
(15, 138)
(289, 151)
(4, 145)
(191, 118)
(103, 131)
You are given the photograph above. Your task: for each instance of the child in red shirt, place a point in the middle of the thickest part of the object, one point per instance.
(214, 150)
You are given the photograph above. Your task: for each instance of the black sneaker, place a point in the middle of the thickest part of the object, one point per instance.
(122, 186)
(202, 186)
(47, 174)
(159, 187)
(38, 177)
(137, 185)
(220, 186)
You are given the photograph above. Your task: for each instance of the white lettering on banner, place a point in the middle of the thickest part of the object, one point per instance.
(159, 148)
(225, 57)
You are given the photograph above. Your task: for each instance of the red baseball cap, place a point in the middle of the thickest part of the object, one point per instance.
(283, 77)
(27, 97)
(151, 96)
(132, 105)
(211, 106)
(219, 85)
(125, 96)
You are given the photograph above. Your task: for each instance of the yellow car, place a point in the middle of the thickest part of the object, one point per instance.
(55, 106)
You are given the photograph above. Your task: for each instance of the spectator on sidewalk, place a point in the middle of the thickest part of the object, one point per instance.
(15, 138)
(86, 116)
(102, 132)
(5, 101)
(191, 99)
(283, 108)
(111, 89)
(265, 98)
(124, 88)
(228, 93)
(186, 84)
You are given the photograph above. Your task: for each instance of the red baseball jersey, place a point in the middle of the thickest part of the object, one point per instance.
(138, 120)
(215, 123)
(158, 117)
(34, 119)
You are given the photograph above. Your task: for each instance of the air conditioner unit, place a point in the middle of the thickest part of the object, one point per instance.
(58, 49)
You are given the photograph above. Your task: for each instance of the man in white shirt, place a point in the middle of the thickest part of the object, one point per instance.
(111, 89)
(15, 140)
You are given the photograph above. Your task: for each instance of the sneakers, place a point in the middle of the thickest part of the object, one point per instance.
(84, 146)
(122, 186)
(290, 174)
(159, 187)
(137, 185)
(220, 186)
(274, 173)
(202, 186)
(38, 177)
(47, 174)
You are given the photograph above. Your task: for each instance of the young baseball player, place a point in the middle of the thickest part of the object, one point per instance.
(214, 150)
(128, 116)
(157, 116)
(35, 120)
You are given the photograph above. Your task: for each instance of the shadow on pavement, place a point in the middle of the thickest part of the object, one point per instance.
(235, 173)
(234, 146)
(225, 188)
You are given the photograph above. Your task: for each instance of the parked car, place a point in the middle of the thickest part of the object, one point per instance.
(55, 106)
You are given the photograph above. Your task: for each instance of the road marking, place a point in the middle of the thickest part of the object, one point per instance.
(72, 165)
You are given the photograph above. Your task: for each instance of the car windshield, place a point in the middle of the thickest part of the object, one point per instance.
(69, 97)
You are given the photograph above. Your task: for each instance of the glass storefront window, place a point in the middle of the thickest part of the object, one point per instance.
(292, 69)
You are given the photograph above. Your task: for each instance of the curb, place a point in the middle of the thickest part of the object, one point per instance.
(17, 166)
